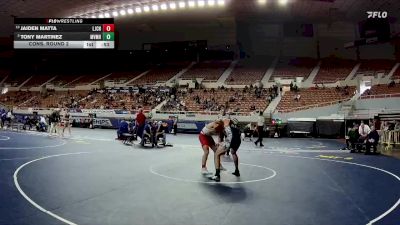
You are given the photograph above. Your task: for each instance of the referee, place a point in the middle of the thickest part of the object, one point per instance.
(260, 129)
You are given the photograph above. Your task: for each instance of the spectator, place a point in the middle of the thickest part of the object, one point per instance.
(352, 138)
(363, 130)
(141, 122)
(397, 126)
(372, 141)
(392, 84)
(260, 129)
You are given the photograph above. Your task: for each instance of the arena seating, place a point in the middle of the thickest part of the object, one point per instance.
(334, 69)
(294, 67)
(396, 74)
(126, 101)
(383, 90)
(16, 98)
(16, 79)
(64, 79)
(374, 66)
(61, 99)
(249, 71)
(213, 100)
(209, 70)
(86, 79)
(4, 74)
(313, 97)
(38, 80)
(123, 76)
(161, 73)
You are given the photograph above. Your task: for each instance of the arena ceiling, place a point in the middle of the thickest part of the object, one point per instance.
(325, 10)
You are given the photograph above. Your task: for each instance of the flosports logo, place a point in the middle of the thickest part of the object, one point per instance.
(377, 14)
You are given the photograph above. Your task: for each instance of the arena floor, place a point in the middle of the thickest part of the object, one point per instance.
(90, 178)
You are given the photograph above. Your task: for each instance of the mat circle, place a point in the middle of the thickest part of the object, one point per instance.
(272, 175)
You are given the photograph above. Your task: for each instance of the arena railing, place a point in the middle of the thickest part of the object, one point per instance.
(390, 139)
(380, 96)
(313, 106)
(214, 113)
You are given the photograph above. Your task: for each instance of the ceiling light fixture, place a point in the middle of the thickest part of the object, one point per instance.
(172, 5)
(191, 4)
(182, 4)
(163, 6)
(154, 7)
(201, 3)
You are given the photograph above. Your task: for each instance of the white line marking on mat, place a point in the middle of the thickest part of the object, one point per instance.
(33, 202)
(63, 142)
(221, 182)
(4, 138)
(361, 165)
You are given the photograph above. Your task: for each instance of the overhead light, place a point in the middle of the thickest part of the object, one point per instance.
(115, 13)
(201, 3)
(146, 8)
(138, 10)
(107, 15)
(163, 6)
(191, 4)
(93, 16)
(154, 7)
(221, 2)
(122, 12)
(130, 11)
(101, 16)
(182, 4)
(283, 2)
(211, 2)
(172, 5)
(262, 2)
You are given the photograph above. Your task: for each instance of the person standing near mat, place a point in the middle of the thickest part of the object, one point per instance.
(231, 141)
(67, 124)
(207, 141)
(260, 129)
(140, 122)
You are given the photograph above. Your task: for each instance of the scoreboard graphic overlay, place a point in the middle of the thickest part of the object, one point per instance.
(68, 33)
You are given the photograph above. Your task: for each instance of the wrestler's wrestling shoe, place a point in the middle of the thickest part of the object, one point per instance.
(236, 173)
(204, 171)
(215, 178)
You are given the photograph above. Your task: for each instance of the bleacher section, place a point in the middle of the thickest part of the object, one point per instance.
(294, 67)
(248, 71)
(125, 101)
(396, 74)
(123, 76)
(162, 73)
(15, 98)
(4, 74)
(334, 69)
(209, 70)
(86, 79)
(38, 80)
(372, 67)
(16, 79)
(313, 97)
(61, 99)
(214, 100)
(63, 79)
(383, 90)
